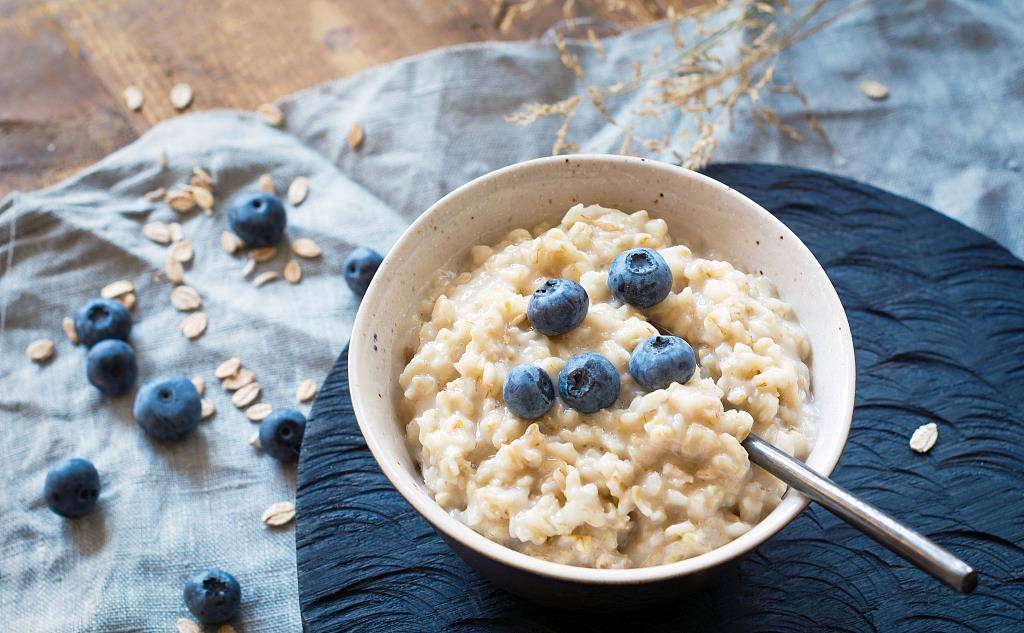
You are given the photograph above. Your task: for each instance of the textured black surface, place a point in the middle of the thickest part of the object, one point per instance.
(937, 313)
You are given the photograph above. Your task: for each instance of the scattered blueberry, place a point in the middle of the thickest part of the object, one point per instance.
(360, 267)
(588, 382)
(213, 596)
(258, 218)
(640, 277)
(110, 366)
(662, 360)
(167, 408)
(101, 319)
(281, 434)
(557, 306)
(528, 391)
(72, 487)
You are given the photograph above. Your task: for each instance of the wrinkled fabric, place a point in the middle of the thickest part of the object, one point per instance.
(949, 135)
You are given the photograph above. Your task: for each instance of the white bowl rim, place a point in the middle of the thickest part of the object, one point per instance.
(791, 505)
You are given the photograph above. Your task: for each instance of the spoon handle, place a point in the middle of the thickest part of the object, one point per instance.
(899, 538)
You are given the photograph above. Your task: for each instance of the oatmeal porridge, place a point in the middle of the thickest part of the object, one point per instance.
(655, 477)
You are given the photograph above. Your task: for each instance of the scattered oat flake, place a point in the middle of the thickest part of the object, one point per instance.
(238, 380)
(181, 200)
(263, 253)
(246, 395)
(264, 278)
(187, 626)
(185, 298)
(181, 96)
(176, 232)
(230, 242)
(305, 247)
(254, 440)
(257, 412)
(206, 408)
(271, 114)
(156, 194)
(157, 231)
(132, 98)
(306, 391)
(280, 513)
(40, 351)
(292, 272)
(194, 325)
(227, 368)
(181, 251)
(298, 190)
(924, 438)
(199, 383)
(249, 267)
(175, 271)
(874, 90)
(202, 196)
(117, 288)
(203, 176)
(355, 136)
(226, 628)
(267, 184)
(68, 324)
(127, 300)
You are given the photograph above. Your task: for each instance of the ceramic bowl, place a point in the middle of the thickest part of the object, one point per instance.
(701, 213)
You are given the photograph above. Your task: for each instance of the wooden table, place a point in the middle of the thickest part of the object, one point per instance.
(65, 63)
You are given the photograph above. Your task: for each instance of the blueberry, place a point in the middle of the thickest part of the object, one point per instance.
(662, 360)
(360, 267)
(588, 382)
(281, 434)
(258, 218)
(557, 306)
(640, 277)
(213, 596)
(101, 319)
(72, 487)
(167, 408)
(110, 366)
(528, 391)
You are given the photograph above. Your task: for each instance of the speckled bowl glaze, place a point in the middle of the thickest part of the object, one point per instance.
(701, 213)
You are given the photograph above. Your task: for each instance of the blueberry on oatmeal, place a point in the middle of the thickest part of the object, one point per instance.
(258, 218)
(589, 383)
(528, 392)
(168, 408)
(359, 268)
(640, 277)
(213, 596)
(110, 367)
(72, 487)
(659, 361)
(100, 319)
(558, 306)
(281, 434)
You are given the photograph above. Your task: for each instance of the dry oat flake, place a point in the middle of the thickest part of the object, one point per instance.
(258, 412)
(249, 267)
(127, 300)
(307, 389)
(305, 247)
(267, 184)
(40, 351)
(271, 114)
(298, 190)
(176, 233)
(355, 136)
(230, 242)
(264, 278)
(181, 96)
(280, 513)
(181, 251)
(226, 628)
(254, 440)
(292, 272)
(132, 98)
(194, 325)
(206, 408)
(174, 270)
(874, 90)
(246, 395)
(68, 325)
(187, 626)
(924, 438)
(116, 289)
(203, 198)
(262, 254)
(199, 383)
(238, 380)
(156, 194)
(185, 298)
(158, 232)
(227, 368)
(181, 200)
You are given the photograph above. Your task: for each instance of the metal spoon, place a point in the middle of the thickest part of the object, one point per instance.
(898, 538)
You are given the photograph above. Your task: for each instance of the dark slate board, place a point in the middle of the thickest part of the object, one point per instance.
(937, 313)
